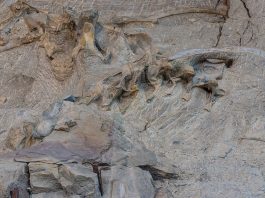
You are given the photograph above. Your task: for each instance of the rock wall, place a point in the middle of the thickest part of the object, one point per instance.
(122, 99)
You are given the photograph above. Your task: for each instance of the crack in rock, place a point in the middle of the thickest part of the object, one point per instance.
(219, 34)
(246, 8)
(245, 31)
(159, 174)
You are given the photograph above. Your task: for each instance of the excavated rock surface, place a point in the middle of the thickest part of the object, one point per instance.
(127, 99)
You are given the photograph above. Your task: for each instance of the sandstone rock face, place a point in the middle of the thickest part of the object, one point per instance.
(14, 179)
(137, 99)
(44, 177)
(80, 180)
(121, 181)
(65, 180)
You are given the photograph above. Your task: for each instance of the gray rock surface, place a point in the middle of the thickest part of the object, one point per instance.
(114, 98)
(80, 180)
(14, 179)
(65, 180)
(128, 182)
(44, 177)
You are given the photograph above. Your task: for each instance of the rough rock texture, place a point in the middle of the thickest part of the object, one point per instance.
(14, 179)
(43, 177)
(127, 182)
(114, 98)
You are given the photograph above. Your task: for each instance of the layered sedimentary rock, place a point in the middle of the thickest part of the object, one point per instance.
(132, 99)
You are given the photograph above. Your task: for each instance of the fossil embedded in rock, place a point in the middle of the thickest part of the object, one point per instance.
(62, 67)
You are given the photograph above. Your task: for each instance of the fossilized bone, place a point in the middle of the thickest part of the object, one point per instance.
(49, 46)
(90, 16)
(141, 43)
(62, 66)
(180, 68)
(59, 41)
(98, 39)
(210, 86)
(101, 33)
(164, 69)
(213, 56)
(184, 73)
(124, 83)
(17, 42)
(58, 22)
(154, 18)
(88, 22)
(128, 78)
(87, 41)
(34, 19)
(36, 22)
(230, 53)
(131, 72)
(158, 68)
(20, 9)
(106, 90)
(121, 83)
